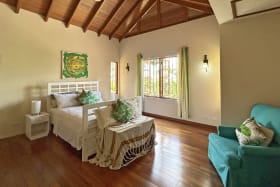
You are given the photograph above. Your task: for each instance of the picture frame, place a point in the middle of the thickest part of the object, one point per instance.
(74, 65)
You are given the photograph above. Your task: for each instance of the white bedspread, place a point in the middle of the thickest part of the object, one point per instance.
(68, 124)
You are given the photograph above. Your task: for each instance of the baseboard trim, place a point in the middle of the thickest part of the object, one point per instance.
(195, 124)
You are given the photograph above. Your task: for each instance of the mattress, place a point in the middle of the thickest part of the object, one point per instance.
(68, 124)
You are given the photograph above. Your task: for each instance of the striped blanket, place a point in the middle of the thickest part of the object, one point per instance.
(121, 144)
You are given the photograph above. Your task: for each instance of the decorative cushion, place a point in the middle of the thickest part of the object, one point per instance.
(98, 95)
(88, 97)
(66, 100)
(123, 111)
(104, 117)
(134, 102)
(250, 133)
(268, 133)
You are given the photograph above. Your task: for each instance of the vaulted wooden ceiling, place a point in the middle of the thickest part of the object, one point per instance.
(116, 18)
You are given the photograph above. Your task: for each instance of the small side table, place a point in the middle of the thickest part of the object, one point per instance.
(37, 126)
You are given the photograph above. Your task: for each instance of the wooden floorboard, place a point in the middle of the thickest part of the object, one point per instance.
(179, 159)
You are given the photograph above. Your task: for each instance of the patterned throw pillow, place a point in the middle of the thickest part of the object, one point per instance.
(123, 111)
(250, 133)
(134, 102)
(88, 97)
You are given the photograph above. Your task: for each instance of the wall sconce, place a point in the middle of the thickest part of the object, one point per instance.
(205, 63)
(127, 67)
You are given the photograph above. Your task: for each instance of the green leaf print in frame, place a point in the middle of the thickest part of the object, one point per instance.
(74, 65)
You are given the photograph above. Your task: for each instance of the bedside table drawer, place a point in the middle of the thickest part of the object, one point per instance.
(38, 118)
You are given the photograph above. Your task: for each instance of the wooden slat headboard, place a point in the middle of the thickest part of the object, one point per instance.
(64, 87)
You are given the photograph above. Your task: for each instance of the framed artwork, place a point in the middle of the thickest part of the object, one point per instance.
(74, 65)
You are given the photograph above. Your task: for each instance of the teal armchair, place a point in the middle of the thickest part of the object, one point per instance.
(247, 166)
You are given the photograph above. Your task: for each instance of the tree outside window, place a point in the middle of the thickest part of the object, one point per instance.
(160, 77)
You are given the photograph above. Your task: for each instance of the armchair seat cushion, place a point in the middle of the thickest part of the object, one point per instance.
(225, 149)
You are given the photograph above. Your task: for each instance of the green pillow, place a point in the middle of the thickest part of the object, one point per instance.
(123, 111)
(87, 97)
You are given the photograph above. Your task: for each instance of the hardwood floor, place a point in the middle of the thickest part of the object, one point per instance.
(179, 159)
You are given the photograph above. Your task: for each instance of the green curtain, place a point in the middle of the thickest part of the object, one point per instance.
(183, 84)
(139, 75)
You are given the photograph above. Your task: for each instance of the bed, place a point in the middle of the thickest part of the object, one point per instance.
(115, 146)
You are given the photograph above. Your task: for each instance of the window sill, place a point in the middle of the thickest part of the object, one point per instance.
(155, 97)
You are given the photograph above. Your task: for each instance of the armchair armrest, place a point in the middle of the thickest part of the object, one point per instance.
(226, 131)
(259, 151)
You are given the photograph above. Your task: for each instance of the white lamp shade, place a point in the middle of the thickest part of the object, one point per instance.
(35, 107)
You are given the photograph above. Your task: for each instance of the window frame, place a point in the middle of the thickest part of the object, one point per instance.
(116, 77)
(160, 59)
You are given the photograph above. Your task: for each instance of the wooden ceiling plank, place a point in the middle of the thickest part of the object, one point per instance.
(18, 5)
(93, 12)
(73, 13)
(124, 18)
(164, 26)
(49, 10)
(146, 8)
(190, 4)
(111, 15)
(158, 13)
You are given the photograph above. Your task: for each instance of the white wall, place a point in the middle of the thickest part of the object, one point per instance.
(202, 37)
(250, 65)
(30, 57)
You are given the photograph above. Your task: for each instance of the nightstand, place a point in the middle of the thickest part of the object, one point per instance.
(37, 126)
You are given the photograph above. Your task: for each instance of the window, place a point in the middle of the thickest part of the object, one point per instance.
(114, 77)
(160, 77)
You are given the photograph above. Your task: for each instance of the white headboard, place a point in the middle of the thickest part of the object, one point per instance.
(63, 87)
(66, 87)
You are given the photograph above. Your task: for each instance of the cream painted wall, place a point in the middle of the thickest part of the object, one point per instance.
(30, 57)
(202, 37)
(250, 65)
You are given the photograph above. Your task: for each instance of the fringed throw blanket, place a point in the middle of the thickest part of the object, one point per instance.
(119, 145)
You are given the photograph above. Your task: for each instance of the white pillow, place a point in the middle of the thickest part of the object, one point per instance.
(104, 117)
(136, 106)
(66, 100)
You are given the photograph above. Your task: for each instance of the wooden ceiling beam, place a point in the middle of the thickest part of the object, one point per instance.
(200, 1)
(158, 13)
(146, 8)
(124, 18)
(194, 5)
(73, 13)
(18, 5)
(93, 12)
(49, 10)
(111, 15)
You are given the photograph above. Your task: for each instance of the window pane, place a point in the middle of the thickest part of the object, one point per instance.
(169, 77)
(151, 77)
(114, 77)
